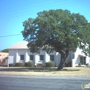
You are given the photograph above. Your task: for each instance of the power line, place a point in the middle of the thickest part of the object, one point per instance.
(10, 35)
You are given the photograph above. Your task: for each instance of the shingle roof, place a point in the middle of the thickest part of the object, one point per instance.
(19, 45)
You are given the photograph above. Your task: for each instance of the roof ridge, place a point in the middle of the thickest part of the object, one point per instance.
(19, 45)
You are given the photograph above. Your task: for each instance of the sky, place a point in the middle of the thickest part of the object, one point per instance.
(14, 12)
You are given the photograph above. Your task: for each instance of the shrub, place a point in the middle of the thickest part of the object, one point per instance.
(40, 65)
(79, 64)
(29, 64)
(11, 65)
(68, 64)
(19, 64)
(49, 64)
(87, 64)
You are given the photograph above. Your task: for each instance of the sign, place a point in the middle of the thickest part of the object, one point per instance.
(85, 86)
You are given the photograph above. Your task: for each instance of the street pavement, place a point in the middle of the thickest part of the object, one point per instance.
(8, 82)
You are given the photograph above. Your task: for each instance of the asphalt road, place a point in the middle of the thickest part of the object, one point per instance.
(41, 83)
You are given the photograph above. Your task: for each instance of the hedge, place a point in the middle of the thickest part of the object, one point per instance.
(19, 64)
(49, 64)
(68, 64)
(11, 65)
(40, 65)
(29, 64)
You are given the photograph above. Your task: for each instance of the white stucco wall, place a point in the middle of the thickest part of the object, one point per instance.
(47, 57)
(14, 56)
(88, 60)
(76, 59)
(57, 59)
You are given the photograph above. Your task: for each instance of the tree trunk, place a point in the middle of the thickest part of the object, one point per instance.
(62, 61)
(63, 58)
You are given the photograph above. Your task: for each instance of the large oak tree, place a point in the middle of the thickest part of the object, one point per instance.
(57, 30)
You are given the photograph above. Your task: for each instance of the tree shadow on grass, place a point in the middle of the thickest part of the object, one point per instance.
(71, 70)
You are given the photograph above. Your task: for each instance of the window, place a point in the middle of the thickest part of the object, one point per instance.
(31, 57)
(21, 57)
(41, 57)
(52, 57)
(83, 60)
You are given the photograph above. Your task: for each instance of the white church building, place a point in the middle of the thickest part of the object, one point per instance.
(20, 53)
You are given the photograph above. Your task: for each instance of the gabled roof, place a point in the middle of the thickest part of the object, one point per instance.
(19, 45)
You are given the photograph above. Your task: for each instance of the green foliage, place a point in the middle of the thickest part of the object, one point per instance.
(49, 64)
(87, 64)
(40, 65)
(5, 50)
(11, 65)
(29, 64)
(57, 30)
(68, 64)
(19, 64)
(79, 64)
